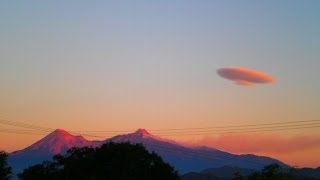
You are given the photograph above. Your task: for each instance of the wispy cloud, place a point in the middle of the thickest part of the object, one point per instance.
(255, 143)
(300, 151)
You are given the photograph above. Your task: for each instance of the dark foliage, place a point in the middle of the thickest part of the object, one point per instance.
(238, 176)
(5, 170)
(272, 171)
(111, 161)
(47, 170)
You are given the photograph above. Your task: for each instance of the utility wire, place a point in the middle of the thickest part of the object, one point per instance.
(201, 131)
(39, 130)
(208, 128)
(190, 134)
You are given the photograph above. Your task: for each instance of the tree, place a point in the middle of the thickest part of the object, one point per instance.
(238, 176)
(5, 170)
(111, 161)
(47, 170)
(272, 171)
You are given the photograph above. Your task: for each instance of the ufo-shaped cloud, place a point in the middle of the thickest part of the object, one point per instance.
(245, 77)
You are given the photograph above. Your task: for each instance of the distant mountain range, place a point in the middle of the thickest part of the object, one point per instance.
(227, 173)
(184, 159)
(221, 173)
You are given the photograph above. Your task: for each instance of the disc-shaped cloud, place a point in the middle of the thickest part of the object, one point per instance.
(245, 77)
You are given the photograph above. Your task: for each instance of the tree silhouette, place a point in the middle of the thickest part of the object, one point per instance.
(111, 161)
(238, 176)
(5, 170)
(272, 171)
(47, 170)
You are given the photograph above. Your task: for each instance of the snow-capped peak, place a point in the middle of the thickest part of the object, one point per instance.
(140, 136)
(58, 141)
(142, 132)
(60, 132)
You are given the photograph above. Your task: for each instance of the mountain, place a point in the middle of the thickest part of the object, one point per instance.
(184, 159)
(311, 173)
(225, 172)
(58, 141)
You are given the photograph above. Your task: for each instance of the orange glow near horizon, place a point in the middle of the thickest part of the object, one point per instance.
(296, 150)
(299, 150)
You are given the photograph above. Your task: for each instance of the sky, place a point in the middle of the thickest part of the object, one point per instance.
(124, 65)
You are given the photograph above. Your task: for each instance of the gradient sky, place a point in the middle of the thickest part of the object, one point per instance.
(122, 65)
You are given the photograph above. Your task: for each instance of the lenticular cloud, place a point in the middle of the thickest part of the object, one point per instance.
(245, 77)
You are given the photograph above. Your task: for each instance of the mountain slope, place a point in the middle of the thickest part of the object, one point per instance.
(58, 141)
(184, 159)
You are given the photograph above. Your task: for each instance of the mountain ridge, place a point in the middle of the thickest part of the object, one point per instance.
(184, 159)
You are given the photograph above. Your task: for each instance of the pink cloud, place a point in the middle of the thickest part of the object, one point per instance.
(302, 151)
(245, 77)
(255, 143)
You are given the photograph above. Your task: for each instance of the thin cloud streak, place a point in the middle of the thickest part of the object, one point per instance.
(299, 151)
(256, 143)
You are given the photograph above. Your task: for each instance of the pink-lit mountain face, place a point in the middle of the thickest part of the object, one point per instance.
(59, 141)
(184, 159)
(140, 136)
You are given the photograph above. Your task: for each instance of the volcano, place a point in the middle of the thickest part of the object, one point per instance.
(184, 159)
(58, 141)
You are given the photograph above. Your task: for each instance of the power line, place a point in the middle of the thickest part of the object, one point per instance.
(249, 128)
(237, 132)
(291, 125)
(24, 125)
(39, 130)
(210, 128)
(243, 130)
(35, 128)
(190, 134)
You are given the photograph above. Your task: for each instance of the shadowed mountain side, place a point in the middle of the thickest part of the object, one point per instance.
(186, 159)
